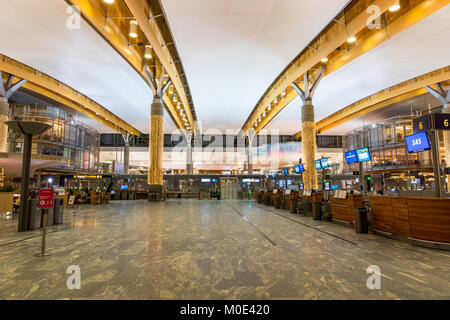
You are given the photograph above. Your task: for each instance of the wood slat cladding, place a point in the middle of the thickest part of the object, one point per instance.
(430, 219)
(344, 209)
(418, 218)
(383, 215)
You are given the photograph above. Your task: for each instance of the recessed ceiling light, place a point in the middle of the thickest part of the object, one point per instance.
(133, 29)
(324, 60)
(351, 39)
(109, 1)
(148, 52)
(395, 7)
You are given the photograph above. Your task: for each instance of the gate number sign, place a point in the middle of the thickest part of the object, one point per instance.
(46, 199)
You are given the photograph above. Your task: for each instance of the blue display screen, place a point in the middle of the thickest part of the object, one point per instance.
(324, 163)
(318, 164)
(417, 142)
(334, 187)
(124, 187)
(350, 156)
(363, 154)
(299, 168)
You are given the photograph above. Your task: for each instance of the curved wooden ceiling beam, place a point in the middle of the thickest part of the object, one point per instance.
(45, 85)
(406, 90)
(328, 44)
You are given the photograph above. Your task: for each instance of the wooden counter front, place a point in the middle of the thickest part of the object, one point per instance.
(288, 197)
(417, 218)
(344, 209)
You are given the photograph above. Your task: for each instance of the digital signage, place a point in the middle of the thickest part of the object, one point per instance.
(318, 164)
(299, 168)
(250, 180)
(124, 187)
(417, 142)
(301, 186)
(334, 187)
(327, 186)
(324, 163)
(350, 156)
(363, 154)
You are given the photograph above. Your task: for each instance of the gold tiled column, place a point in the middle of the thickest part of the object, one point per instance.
(446, 134)
(309, 146)
(156, 144)
(4, 109)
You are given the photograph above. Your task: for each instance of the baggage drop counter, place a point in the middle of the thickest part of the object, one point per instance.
(424, 221)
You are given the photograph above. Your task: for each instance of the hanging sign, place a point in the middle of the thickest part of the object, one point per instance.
(46, 199)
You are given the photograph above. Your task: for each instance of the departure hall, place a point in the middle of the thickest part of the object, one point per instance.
(224, 150)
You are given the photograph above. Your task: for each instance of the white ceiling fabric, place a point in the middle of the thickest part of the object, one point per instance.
(232, 50)
(35, 33)
(422, 48)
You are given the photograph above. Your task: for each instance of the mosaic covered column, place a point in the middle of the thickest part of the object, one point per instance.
(189, 163)
(155, 172)
(4, 109)
(126, 158)
(309, 146)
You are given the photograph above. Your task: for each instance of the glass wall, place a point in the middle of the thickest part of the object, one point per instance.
(76, 142)
(387, 147)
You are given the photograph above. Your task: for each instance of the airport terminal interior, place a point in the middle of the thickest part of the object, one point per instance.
(225, 149)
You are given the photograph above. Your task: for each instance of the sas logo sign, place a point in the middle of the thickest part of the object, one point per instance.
(416, 142)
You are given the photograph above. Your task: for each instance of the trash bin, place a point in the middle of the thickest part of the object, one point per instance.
(306, 208)
(34, 214)
(58, 209)
(50, 216)
(326, 211)
(293, 205)
(317, 211)
(361, 225)
(276, 202)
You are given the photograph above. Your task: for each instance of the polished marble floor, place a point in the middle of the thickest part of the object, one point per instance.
(191, 249)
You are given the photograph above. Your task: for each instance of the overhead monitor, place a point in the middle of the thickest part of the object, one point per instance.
(274, 174)
(299, 168)
(363, 154)
(250, 180)
(124, 187)
(301, 186)
(350, 156)
(417, 142)
(324, 163)
(318, 164)
(334, 187)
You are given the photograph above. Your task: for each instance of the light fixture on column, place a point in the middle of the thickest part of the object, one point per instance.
(259, 119)
(148, 52)
(283, 93)
(351, 39)
(269, 107)
(133, 29)
(395, 7)
(275, 101)
(324, 60)
(171, 90)
(175, 99)
(264, 114)
(179, 105)
(109, 1)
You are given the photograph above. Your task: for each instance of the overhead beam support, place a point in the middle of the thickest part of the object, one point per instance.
(42, 80)
(331, 40)
(141, 12)
(399, 92)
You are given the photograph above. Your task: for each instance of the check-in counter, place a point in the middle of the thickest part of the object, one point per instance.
(141, 195)
(415, 218)
(288, 197)
(268, 198)
(344, 209)
(277, 196)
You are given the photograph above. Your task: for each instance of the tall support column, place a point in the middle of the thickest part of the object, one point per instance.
(443, 97)
(156, 145)
(126, 153)
(309, 144)
(155, 172)
(250, 135)
(189, 163)
(4, 109)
